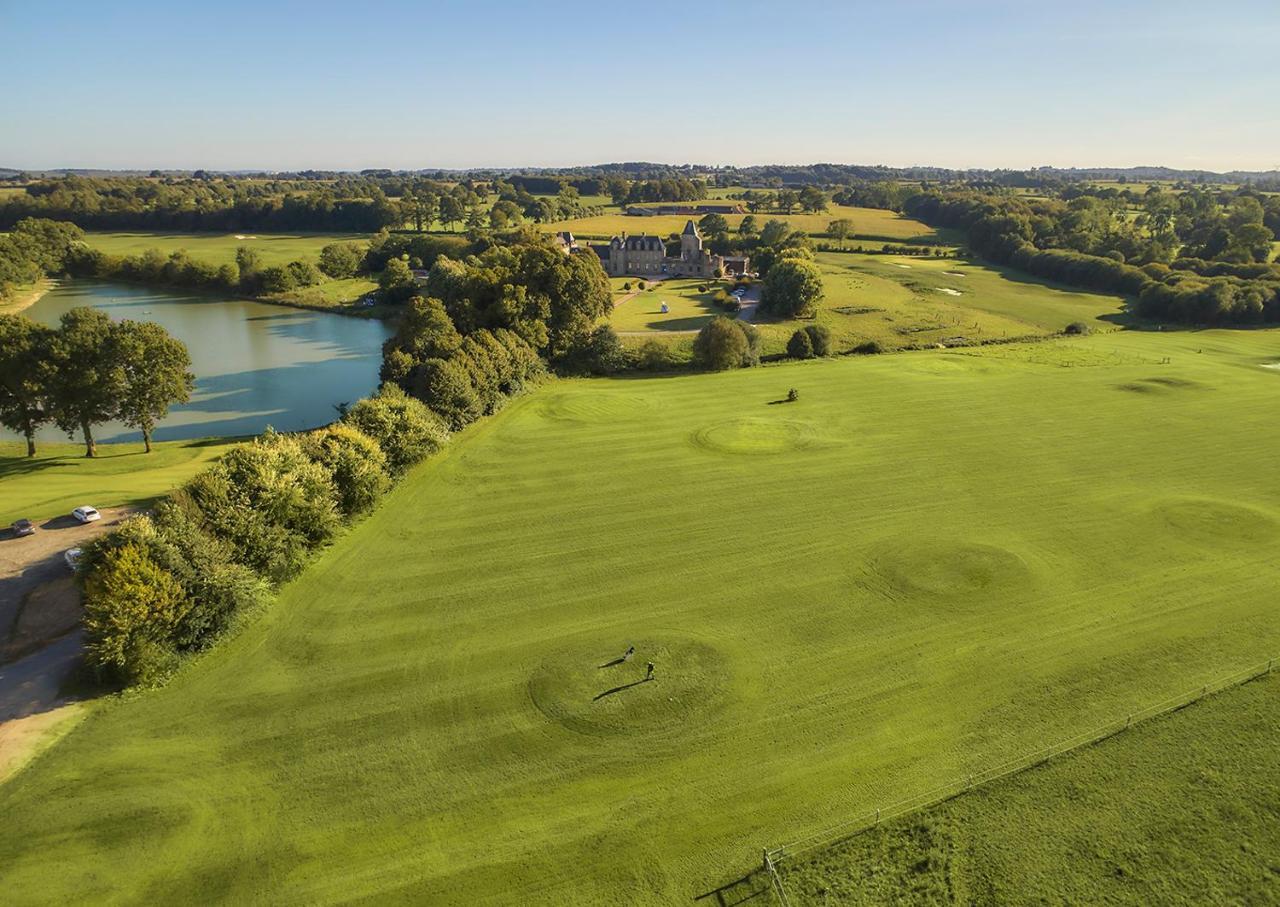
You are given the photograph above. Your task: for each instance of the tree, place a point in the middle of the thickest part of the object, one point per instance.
(748, 226)
(23, 353)
(155, 373)
(813, 199)
(341, 259)
(840, 229)
(723, 343)
(800, 346)
(403, 427)
(774, 233)
(84, 376)
(820, 337)
(715, 226)
(451, 210)
(250, 263)
(792, 288)
(356, 461)
(396, 280)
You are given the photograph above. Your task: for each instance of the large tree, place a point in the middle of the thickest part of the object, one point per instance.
(792, 288)
(155, 371)
(84, 375)
(840, 229)
(23, 350)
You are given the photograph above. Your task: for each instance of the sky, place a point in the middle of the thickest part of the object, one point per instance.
(425, 85)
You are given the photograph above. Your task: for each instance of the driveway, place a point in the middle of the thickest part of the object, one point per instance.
(31, 685)
(37, 603)
(750, 302)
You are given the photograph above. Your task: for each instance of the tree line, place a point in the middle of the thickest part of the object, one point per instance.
(87, 371)
(169, 583)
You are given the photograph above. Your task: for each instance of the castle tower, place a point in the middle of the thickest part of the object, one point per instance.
(690, 243)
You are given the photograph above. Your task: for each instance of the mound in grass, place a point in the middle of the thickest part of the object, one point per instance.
(595, 408)
(945, 568)
(1210, 522)
(587, 688)
(754, 435)
(1159, 385)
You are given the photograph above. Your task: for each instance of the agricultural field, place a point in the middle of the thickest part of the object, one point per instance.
(931, 562)
(868, 223)
(1183, 808)
(275, 248)
(59, 478)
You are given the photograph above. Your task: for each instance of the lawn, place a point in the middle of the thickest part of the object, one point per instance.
(60, 478)
(1182, 810)
(220, 248)
(930, 562)
(868, 223)
(688, 307)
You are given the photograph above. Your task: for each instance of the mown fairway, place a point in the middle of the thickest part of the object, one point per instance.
(59, 478)
(220, 248)
(1181, 810)
(931, 561)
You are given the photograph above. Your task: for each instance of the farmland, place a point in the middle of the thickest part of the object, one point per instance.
(218, 249)
(932, 561)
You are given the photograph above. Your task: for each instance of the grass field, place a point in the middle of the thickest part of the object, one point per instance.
(218, 248)
(60, 479)
(1182, 810)
(932, 561)
(688, 309)
(867, 222)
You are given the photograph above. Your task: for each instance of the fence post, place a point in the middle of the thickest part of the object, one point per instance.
(877, 816)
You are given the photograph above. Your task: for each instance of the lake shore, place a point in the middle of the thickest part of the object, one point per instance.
(28, 297)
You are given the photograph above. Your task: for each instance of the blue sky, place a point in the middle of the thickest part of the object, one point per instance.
(441, 84)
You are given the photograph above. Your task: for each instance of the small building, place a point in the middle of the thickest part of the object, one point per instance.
(565, 242)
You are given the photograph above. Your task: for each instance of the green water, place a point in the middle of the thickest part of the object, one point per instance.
(255, 365)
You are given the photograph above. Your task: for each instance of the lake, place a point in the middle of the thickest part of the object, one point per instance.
(255, 365)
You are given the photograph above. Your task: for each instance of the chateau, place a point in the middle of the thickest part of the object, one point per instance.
(645, 254)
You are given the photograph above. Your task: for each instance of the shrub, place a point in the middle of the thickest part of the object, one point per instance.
(403, 427)
(793, 395)
(627, 286)
(1076, 327)
(274, 280)
(820, 337)
(654, 356)
(800, 346)
(642, 285)
(445, 386)
(869, 347)
(600, 353)
(132, 607)
(702, 288)
(270, 502)
(725, 343)
(356, 462)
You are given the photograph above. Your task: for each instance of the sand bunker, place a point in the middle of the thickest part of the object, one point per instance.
(949, 291)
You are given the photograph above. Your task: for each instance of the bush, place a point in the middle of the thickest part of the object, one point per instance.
(800, 346)
(642, 285)
(725, 343)
(820, 337)
(793, 395)
(627, 286)
(131, 609)
(1076, 327)
(270, 502)
(600, 353)
(356, 462)
(403, 427)
(654, 356)
(869, 347)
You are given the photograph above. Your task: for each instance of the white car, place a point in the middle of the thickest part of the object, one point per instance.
(86, 514)
(72, 557)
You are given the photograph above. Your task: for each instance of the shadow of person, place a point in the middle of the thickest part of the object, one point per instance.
(625, 686)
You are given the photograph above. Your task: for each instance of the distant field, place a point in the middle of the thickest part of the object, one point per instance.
(867, 222)
(897, 301)
(275, 248)
(60, 478)
(1182, 810)
(931, 561)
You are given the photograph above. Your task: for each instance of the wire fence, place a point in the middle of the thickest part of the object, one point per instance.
(940, 794)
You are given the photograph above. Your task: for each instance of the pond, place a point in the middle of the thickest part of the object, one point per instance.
(255, 365)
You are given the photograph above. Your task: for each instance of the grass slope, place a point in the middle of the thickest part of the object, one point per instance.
(1179, 811)
(220, 248)
(931, 562)
(60, 479)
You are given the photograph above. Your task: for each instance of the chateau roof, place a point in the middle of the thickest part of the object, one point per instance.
(690, 229)
(642, 243)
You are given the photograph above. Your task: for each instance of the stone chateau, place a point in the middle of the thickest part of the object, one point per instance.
(647, 255)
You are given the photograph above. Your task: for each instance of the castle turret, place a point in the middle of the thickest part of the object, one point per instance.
(690, 243)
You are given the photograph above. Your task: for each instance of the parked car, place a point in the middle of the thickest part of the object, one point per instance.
(86, 514)
(24, 527)
(740, 292)
(72, 557)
